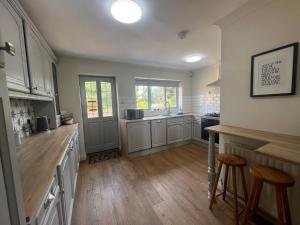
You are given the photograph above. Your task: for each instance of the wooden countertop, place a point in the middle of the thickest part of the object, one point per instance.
(38, 157)
(281, 146)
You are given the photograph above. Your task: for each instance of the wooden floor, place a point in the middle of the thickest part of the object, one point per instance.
(169, 187)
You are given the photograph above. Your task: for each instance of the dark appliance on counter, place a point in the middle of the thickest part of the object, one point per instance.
(134, 114)
(210, 119)
(42, 124)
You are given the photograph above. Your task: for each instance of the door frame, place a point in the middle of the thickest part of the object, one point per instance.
(115, 109)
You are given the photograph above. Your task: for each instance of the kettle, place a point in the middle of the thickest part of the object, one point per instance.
(42, 124)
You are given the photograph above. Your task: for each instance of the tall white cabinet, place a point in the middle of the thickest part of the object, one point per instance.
(4, 213)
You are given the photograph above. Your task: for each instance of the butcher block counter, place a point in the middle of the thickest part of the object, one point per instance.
(38, 158)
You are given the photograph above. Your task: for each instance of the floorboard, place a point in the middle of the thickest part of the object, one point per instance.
(165, 188)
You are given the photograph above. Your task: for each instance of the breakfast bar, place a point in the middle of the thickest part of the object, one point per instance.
(279, 146)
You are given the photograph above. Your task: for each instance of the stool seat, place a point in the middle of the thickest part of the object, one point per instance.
(232, 160)
(272, 176)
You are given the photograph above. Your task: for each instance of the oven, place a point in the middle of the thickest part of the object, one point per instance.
(208, 122)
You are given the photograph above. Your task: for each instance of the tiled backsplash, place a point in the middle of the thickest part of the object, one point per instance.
(207, 103)
(21, 111)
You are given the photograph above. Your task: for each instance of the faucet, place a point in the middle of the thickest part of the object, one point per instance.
(169, 108)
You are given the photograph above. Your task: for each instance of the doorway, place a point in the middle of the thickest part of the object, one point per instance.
(99, 111)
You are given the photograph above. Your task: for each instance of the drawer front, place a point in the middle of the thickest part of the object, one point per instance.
(175, 120)
(187, 118)
(45, 205)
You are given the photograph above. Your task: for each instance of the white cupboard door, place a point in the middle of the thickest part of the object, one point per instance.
(73, 158)
(158, 133)
(48, 75)
(197, 131)
(139, 136)
(65, 175)
(175, 133)
(12, 31)
(36, 62)
(55, 216)
(187, 131)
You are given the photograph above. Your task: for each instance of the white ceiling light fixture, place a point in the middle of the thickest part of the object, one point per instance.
(126, 11)
(193, 58)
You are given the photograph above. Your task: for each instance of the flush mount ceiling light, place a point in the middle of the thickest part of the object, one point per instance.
(126, 11)
(193, 58)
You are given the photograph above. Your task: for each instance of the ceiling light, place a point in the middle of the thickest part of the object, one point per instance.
(126, 11)
(193, 58)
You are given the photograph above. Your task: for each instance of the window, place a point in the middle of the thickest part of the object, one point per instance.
(154, 94)
(91, 98)
(106, 99)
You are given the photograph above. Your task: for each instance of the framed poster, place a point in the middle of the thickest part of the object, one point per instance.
(274, 72)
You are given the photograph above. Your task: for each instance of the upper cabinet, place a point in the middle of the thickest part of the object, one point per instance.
(30, 70)
(40, 65)
(11, 29)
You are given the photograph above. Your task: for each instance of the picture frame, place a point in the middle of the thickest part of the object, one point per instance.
(274, 72)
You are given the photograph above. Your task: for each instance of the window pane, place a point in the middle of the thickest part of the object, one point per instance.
(171, 96)
(106, 98)
(91, 98)
(157, 97)
(141, 93)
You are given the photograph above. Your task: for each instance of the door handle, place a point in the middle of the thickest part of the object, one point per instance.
(9, 48)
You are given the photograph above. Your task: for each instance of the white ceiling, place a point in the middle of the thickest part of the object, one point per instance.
(85, 28)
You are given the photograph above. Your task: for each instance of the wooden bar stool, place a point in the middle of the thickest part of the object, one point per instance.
(232, 161)
(281, 181)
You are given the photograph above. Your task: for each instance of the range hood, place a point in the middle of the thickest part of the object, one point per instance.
(215, 83)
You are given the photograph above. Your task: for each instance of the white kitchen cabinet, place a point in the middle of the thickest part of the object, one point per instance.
(11, 28)
(139, 136)
(159, 132)
(197, 130)
(66, 186)
(187, 131)
(4, 212)
(175, 130)
(48, 74)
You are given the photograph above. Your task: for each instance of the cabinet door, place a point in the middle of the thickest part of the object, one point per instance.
(12, 31)
(36, 62)
(73, 158)
(139, 136)
(55, 214)
(48, 75)
(158, 132)
(187, 131)
(197, 131)
(65, 178)
(175, 133)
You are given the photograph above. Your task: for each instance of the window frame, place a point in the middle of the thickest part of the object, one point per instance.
(165, 86)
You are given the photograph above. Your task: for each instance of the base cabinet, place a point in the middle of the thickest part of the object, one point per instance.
(55, 216)
(197, 130)
(158, 133)
(139, 136)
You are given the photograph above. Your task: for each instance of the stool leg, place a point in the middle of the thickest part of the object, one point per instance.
(286, 207)
(215, 185)
(235, 196)
(279, 198)
(244, 184)
(225, 182)
(253, 201)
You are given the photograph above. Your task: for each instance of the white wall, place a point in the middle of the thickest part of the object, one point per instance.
(69, 70)
(271, 26)
(205, 99)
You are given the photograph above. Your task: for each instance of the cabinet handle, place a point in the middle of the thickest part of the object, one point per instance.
(34, 88)
(50, 198)
(9, 48)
